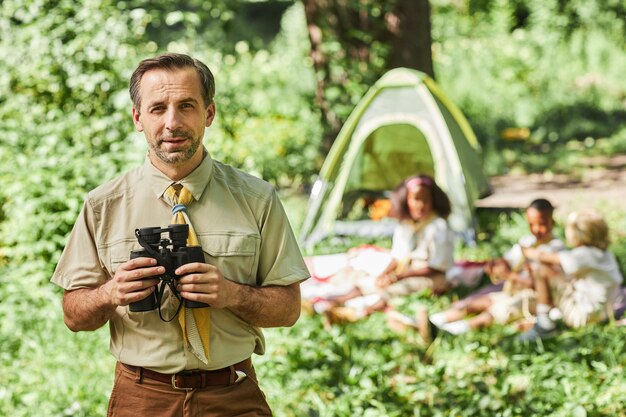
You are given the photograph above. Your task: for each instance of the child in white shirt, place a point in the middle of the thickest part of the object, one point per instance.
(517, 296)
(422, 248)
(581, 282)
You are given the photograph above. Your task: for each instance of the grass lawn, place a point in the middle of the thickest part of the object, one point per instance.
(359, 369)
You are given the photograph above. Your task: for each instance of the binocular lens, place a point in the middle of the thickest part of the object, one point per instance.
(152, 235)
(179, 233)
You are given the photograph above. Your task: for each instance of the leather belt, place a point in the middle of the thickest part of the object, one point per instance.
(188, 380)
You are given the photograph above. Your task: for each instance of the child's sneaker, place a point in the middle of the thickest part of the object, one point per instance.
(456, 327)
(555, 314)
(321, 306)
(438, 319)
(538, 333)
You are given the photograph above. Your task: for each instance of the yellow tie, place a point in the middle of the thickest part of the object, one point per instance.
(194, 322)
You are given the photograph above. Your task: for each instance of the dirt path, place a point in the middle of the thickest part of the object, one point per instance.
(602, 184)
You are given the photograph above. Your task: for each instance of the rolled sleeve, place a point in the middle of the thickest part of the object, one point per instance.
(280, 259)
(569, 263)
(79, 265)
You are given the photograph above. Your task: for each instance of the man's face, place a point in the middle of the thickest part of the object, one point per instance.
(540, 224)
(173, 115)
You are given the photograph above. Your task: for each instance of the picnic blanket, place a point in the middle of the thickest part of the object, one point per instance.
(336, 274)
(618, 305)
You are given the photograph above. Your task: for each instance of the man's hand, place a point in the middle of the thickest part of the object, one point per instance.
(132, 281)
(266, 306)
(91, 308)
(205, 283)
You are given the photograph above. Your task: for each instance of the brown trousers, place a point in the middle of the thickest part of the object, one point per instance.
(133, 396)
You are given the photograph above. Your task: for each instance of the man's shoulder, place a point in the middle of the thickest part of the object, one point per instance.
(235, 178)
(117, 186)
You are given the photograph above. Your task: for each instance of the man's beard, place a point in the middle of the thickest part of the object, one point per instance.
(180, 156)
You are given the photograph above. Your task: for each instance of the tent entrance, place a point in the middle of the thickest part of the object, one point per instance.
(403, 126)
(388, 155)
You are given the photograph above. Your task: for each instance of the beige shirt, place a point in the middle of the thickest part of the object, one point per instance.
(242, 228)
(432, 243)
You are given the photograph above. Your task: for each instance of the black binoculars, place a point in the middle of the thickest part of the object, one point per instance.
(170, 253)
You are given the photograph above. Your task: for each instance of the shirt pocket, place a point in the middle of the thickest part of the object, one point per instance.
(118, 253)
(234, 254)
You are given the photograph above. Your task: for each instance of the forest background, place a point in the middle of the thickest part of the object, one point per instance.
(541, 83)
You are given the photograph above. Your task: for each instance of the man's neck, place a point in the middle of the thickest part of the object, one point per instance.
(177, 172)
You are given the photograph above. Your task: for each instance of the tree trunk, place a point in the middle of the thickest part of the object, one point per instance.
(314, 11)
(411, 36)
(354, 42)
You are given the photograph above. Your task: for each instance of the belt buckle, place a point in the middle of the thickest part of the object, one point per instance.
(240, 376)
(177, 387)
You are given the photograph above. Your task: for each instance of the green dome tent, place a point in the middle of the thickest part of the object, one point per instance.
(404, 125)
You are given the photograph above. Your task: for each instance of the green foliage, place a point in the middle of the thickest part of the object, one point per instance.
(265, 123)
(65, 120)
(497, 232)
(64, 114)
(352, 47)
(553, 67)
(365, 369)
(47, 371)
(617, 231)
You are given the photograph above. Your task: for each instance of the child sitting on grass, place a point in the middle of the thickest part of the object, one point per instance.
(517, 296)
(422, 249)
(582, 282)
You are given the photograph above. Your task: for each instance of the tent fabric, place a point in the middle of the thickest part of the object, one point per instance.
(403, 126)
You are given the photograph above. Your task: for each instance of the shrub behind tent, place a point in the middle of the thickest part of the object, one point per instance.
(403, 126)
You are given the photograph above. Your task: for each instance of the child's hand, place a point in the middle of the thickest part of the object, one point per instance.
(497, 270)
(501, 268)
(392, 267)
(386, 280)
(525, 279)
(489, 267)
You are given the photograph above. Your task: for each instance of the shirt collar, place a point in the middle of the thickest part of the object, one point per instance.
(195, 182)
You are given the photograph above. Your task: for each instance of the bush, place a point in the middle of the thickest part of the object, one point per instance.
(266, 123)
(66, 128)
(77, 131)
(550, 66)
